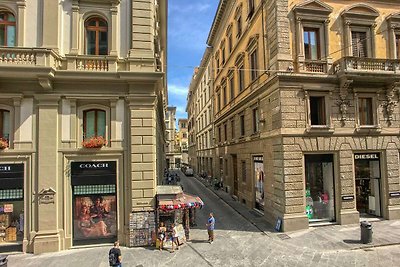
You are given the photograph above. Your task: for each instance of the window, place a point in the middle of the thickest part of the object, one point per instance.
(96, 36)
(225, 132)
(219, 102)
(254, 65)
(242, 130)
(398, 46)
(230, 45)
(4, 124)
(241, 78)
(255, 120)
(250, 8)
(223, 54)
(219, 134)
(233, 128)
(317, 110)
(243, 171)
(232, 87)
(7, 29)
(94, 123)
(359, 44)
(239, 26)
(224, 95)
(217, 61)
(365, 111)
(311, 44)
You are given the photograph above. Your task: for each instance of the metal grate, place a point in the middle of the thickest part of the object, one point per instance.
(94, 189)
(11, 194)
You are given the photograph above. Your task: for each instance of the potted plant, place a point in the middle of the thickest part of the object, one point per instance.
(3, 143)
(94, 142)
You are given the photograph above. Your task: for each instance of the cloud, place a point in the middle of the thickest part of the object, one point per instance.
(188, 8)
(177, 90)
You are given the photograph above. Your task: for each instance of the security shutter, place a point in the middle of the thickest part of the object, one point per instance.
(359, 44)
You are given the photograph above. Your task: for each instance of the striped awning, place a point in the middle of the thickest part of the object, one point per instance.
(180, 202)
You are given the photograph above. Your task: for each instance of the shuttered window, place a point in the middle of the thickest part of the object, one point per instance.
(317, 110)
(365, 111)
(359, 44)
(398, 46)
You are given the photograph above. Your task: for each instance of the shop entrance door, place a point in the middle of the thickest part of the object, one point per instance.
(235, 176)
(368, 186)
(94, 203)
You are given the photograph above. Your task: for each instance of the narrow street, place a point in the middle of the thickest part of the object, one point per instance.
(237, 243)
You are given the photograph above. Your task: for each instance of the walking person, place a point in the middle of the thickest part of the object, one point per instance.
(174, 238)
(161, 235)
(210, 227)
(114, 256)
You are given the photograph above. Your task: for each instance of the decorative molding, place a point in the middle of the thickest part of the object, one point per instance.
(390, 103)
(343, 103)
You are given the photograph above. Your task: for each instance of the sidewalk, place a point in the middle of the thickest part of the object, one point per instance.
(321, 238)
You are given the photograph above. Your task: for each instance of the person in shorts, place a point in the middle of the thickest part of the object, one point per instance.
(161, 235)
(210, 227)
(175, 240)
(114, 256)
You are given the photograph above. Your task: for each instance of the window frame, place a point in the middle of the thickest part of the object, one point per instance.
(327, 110)
(250, 9)
(397, 44)
(231, 78)
(80, 120)
(97, 30)
(368, 41)
(7, 24)
(242, 125)
(244, 171)
(253, 62)
(2, 123)
(318, 41)
(374, 111)
(233, 128)
(255, 120)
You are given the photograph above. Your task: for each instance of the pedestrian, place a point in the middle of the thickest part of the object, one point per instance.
(161, 235)
(174, 238)
(210, 227)
(114, 256)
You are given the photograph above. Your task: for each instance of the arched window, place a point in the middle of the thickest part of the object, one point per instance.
(96, 36)
(94, 123)
(4, 124)
(7, 29)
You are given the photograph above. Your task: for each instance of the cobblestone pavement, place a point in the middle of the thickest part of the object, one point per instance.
(242, 240)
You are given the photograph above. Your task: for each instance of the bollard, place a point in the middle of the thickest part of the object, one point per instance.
(366, 232)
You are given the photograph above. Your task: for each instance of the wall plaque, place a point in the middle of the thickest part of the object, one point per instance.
(394, 194)
(348, 198)
(46, 196)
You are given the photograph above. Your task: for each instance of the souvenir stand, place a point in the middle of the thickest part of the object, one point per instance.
(175, 206)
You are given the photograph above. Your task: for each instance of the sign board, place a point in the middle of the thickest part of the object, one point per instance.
(394, 194)
(348, 198)
(8, 207)
(93, 172)
(367, 156)
(278, 224)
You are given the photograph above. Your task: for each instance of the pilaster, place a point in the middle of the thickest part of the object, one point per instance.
(21, 23)
(50, 24)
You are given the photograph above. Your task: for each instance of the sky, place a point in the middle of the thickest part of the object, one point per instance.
(189, 22)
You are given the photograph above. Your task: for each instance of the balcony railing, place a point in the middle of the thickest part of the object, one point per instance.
(43, 57)
(376, 65)
(315, 66)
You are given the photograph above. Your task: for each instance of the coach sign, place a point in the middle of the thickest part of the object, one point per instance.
(93, 172)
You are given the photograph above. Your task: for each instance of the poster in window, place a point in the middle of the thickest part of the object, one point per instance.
(259, 181)
(95, 217)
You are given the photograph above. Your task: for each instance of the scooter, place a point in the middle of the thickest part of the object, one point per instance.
(3, 260)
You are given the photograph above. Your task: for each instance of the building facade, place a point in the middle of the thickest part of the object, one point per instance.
(183, 140)
(200, 112)
(82, 100)
(306, 108)
(172, 153)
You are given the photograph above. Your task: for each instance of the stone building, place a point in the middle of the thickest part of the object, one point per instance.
(172, 154)
(306, 108)
(82, 98)
(200, 112)
(183, 139)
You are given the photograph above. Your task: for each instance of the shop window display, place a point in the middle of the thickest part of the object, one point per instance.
(319, 191)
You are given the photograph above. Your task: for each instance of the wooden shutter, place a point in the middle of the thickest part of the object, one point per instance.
(359, 44)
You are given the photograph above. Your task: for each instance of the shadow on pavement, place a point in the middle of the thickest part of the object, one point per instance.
(196, 241)
(352, 241)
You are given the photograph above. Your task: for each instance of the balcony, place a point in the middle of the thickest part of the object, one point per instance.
(358, 65)
(314, 66)
(48, 58)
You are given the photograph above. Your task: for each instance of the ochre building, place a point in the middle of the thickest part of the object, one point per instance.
(306, 110)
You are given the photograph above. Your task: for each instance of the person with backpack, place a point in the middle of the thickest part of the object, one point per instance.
(114, 256)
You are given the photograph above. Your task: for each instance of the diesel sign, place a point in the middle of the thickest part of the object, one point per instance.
(366, 156)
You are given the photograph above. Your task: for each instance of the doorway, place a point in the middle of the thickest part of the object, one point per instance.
(235, 176)
(368, 184)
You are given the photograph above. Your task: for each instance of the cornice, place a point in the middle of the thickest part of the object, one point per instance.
(216, 22)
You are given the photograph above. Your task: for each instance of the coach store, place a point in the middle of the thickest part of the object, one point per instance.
(11, 204)
(94, 202)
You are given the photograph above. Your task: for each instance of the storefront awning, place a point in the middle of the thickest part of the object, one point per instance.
(182, 201)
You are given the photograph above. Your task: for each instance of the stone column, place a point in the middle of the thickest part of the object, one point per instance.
(50, 24)
(75, 29)
(141, 53)
(46, 187)
(114, 31)
(143, 151)
(21, 23)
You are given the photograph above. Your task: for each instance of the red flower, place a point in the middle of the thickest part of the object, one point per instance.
(3, 143)
(94, 142)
